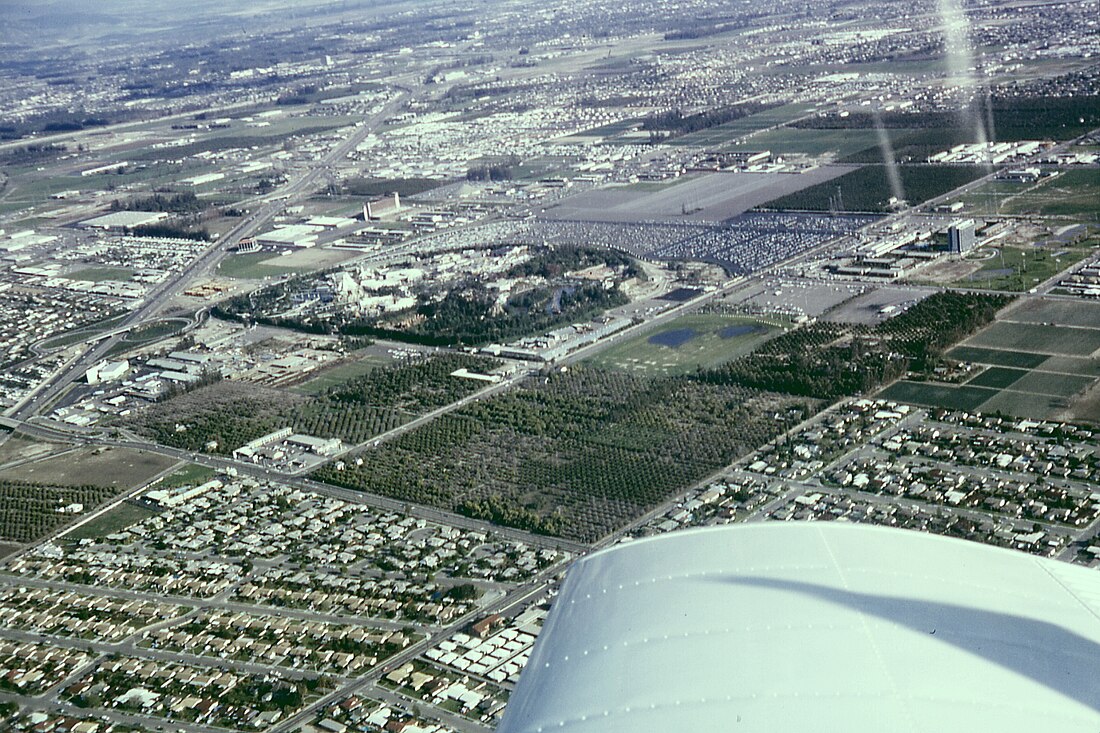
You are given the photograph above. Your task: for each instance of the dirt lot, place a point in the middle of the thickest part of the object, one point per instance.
(116, 467)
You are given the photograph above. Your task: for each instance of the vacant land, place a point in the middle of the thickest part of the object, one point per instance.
(688, 344)
(119, 518)
(102, 274)
(1073, 193)
(1022, 268)
(119, 468)
(713, 197)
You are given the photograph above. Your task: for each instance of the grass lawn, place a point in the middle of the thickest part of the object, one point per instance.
(189, 475)
(1021, 268)
(343, 372)
(102, 274)
(252, 266)
(688, 343)
(1074, 193)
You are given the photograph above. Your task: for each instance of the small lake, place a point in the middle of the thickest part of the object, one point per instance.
(675, 338)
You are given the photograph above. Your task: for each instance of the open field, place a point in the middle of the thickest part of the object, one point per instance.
(19, 448)
(1042, 339)
(188, 475)
(997, 357)
(120, 468)
(712, 197)
(102, 274)
(1082, 313)
(253, 266)
(997, 377)
(118, 518)
(687, 344)
(836, 144)
(1073, 193)
(731, 131)
(341, 373)
(938, 395)
(1021, 268)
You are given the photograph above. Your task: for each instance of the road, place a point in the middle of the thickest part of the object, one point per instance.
(40, 398)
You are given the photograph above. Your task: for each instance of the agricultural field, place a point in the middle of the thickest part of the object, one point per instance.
(1038, 365)
(29, 510)
(231, 414)
(689, 343)
(868, 188)
(575, 454)
(1039, 338)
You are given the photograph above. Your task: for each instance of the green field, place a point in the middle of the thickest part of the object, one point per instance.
(119, 518)
(341, 373)
(102, 274)
(727, 133)
(1043, 339)
(938, 395)
(1022, 268)
(252, 266)
(793, 141)
(1022, 404)
(1055, 385)
(1074, 193)
(997, 357)
(191, 474)
(997, 377)
(704, 345)
(1083, 313)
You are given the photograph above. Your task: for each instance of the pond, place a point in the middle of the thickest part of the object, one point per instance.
(674, 338)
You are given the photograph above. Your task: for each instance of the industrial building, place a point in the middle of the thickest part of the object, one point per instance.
(822, 626)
